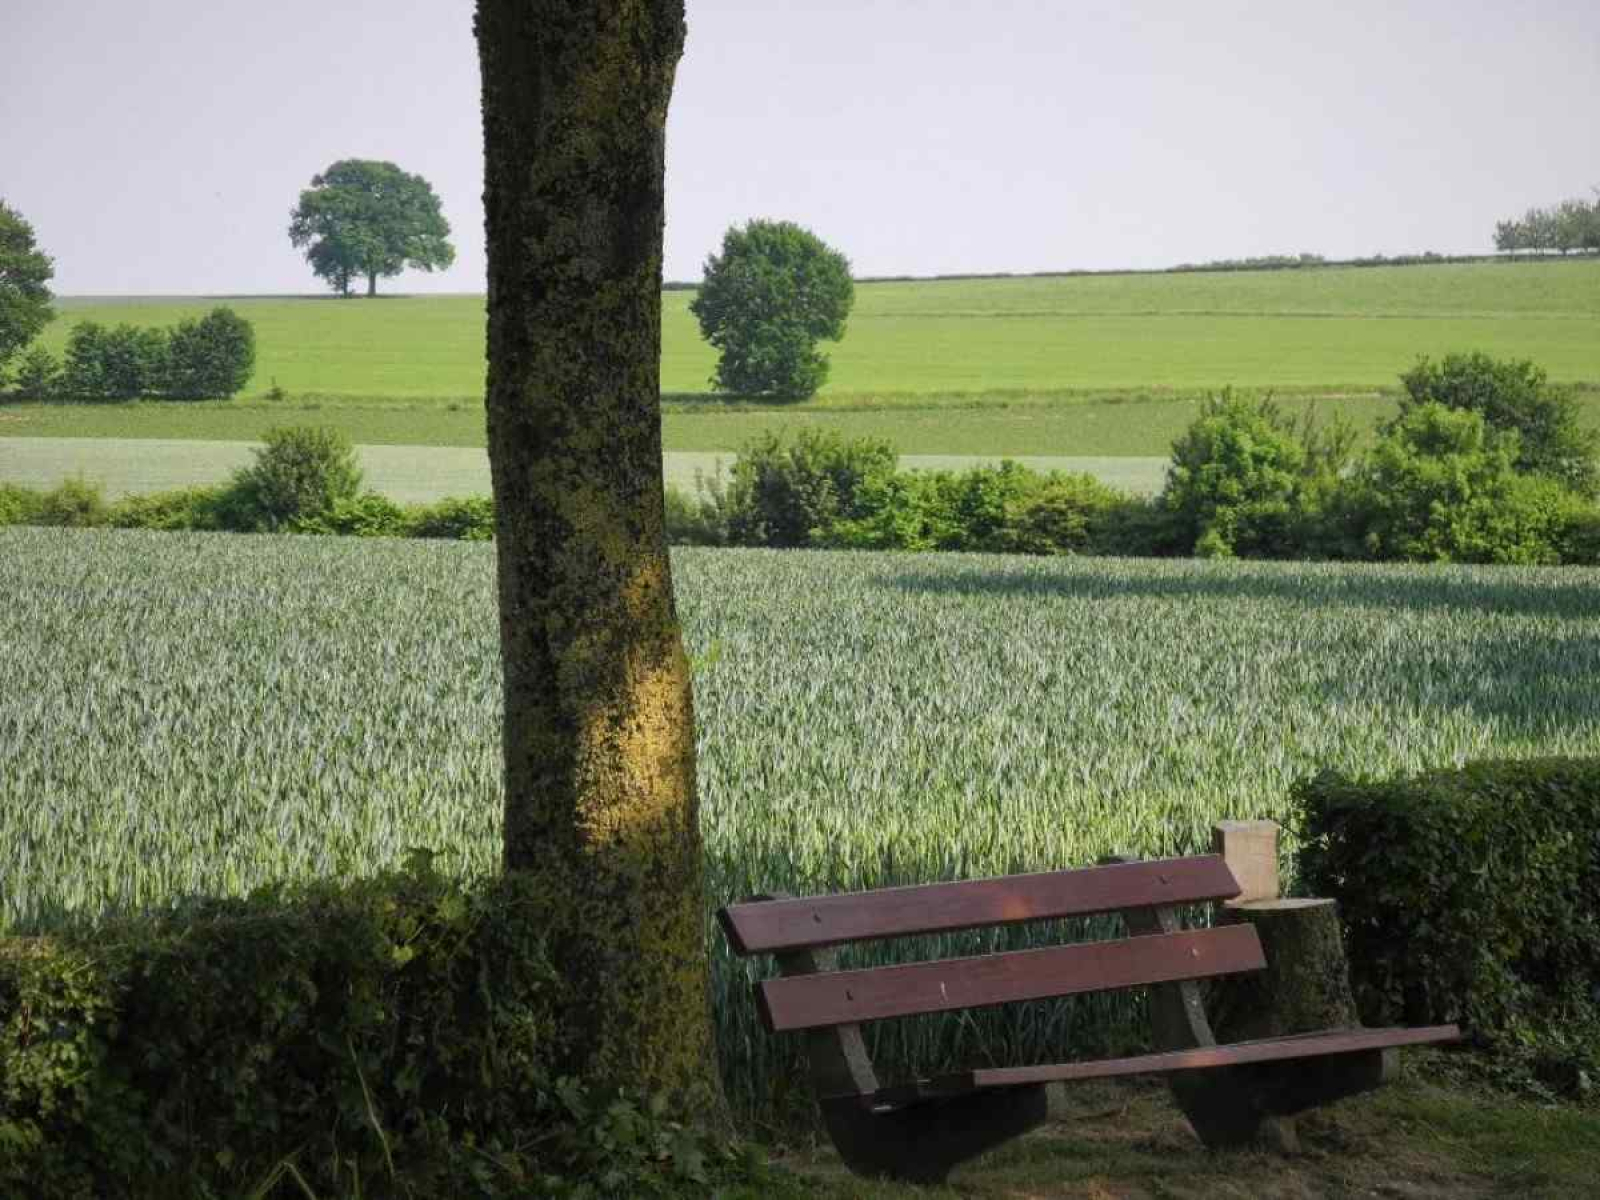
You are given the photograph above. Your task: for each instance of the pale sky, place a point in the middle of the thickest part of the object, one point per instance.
(157, 147)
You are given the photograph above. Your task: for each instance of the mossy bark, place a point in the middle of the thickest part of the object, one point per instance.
(1306, 986)
(600, 797)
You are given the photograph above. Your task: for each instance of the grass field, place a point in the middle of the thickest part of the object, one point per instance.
(1333, 328)
(193, 713)
(411, 474)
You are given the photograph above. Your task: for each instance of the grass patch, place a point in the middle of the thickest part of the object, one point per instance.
(1317, 328)
(1413, 1139)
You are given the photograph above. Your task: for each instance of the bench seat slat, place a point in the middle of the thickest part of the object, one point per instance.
(1306, 1045)
(847, 997)
(941, 907)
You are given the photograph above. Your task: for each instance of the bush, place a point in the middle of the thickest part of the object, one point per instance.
(1066, 514)
(1513, 396)
(191, 508)
(210, 358)
(402, 1035)
(75, 503)
(1242, 476)
(113, 364)
(1469, 894)
(38, 375)
(300, 473)
(365, 515)
(769, 297)
(470, 519)
(1442, 487)
(784, 493)
(18, 505)
(701, 518)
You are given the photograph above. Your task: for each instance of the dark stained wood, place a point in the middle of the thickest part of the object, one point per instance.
(941, 907)
(846, 997)
(1309, 1045)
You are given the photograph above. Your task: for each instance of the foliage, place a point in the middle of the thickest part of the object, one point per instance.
(366, 514)
(703, 518)
(18, 505)
(783, 491)
(25, 274)
(122, 363)
(870, 720)
(366, 218)
(1470, 894)
(1245, 477)
(38, 375)
(773, 293)
(1516, 396)
(1443, 487)
(74, 503)
(470, 519)
(401, 1035)
(1571, 225)
(1075, 514)
(191, 508)
(300, 473)
(211, 358)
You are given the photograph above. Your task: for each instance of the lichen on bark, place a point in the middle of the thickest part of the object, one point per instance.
(599, 740)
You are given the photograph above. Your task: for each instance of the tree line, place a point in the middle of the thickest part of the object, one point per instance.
(1563, 228)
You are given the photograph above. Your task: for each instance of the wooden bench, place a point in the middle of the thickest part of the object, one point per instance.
(919, 1130)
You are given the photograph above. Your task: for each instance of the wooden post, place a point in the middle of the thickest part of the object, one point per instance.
(1304, 989)
(1251, 851)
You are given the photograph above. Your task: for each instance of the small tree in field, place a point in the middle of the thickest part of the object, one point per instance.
(24, 275)
(210, 358)
(773, 293)
(365, 219)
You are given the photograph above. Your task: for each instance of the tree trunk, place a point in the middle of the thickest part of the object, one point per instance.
(1306, 986)
(372, 284)
(599, 734)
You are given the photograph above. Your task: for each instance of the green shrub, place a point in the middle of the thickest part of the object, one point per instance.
(470, 519)
(209, 358)
(113, 364)
(366, 515)
(38, 375)
(1066, 514)
(937, 510)
(1241, 475)
(1468, 894)
(700, 518)
(1443, 487)
(300, 473)
(73, 502)
(783, 493)
(17, 504)
(1513, 396)
(398, 1036)
(181, 509)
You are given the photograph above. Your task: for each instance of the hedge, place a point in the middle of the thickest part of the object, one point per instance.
(1469, 894)
(399, 1036)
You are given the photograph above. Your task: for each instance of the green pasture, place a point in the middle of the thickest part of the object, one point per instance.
(416, 474)
(1331, 329)
(1140, 425)
(193, 713)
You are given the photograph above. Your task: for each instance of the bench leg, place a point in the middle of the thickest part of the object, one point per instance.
(921, 1143)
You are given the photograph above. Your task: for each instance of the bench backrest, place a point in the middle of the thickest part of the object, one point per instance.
(833, 998)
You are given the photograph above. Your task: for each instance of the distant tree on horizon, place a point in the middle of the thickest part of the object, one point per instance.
(1568, 226)
(25, 274)
(365, 218)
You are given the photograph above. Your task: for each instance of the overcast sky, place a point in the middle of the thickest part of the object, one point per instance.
(157, 147)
